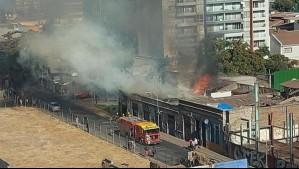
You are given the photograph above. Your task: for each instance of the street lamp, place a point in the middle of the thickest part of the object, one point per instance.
(151, 93)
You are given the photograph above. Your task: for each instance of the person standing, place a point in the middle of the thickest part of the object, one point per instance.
(195, 143)
(154, 151)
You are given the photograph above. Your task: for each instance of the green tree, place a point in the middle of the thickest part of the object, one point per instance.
(278, 62)
(264, 50)
(236, 58)
(285, 5)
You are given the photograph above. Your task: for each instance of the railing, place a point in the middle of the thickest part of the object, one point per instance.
(107, 130)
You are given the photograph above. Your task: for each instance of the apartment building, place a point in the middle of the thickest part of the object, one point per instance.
(41, 9)
(28, 9)
(183, 26)
(232, 19)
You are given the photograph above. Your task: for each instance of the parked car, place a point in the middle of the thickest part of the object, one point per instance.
(81, 95)
(54, 106)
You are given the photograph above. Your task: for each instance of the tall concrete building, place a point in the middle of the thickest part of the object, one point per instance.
(28, 9)
(183, 23)
(238, 19)
(45, 9)
(172, 28)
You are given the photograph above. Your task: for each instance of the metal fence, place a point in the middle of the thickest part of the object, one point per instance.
(105, 129)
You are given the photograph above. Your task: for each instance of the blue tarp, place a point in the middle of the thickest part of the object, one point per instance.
(232, 164)
(224, 106)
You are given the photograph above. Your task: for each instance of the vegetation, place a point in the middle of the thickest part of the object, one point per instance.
(108, 108)
(236, 58)
(286, 5)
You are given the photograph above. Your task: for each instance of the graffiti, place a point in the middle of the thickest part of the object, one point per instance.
(257, 159)
(284, 164)
(254, 159)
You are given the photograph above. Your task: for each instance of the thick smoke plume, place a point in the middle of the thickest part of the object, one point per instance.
(97, 56)
(6, 5)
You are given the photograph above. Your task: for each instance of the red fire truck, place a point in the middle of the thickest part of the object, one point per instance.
(141, 130)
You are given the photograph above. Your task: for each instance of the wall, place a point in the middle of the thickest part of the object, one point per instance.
(283, 76)
(292, 55)
(274, 45)
(185, 120)
(256, 159)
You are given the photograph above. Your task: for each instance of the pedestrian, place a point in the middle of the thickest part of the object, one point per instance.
(193, 146)
(190, 143)
(190, 159)
(21, 103)
(26, 102)
(145, 151)
(77, 121)
(154, 151)
(195, 143)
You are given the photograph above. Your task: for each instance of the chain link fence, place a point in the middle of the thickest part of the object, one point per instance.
(106, 129)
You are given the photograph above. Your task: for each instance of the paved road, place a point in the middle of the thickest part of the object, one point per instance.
(167, 152)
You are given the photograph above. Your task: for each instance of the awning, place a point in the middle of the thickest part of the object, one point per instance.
(225, 106)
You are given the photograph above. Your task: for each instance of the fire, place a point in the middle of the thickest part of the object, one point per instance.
(200, 85)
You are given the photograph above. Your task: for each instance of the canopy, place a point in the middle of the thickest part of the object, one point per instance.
(224, 106)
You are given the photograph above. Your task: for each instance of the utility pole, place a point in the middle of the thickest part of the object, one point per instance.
(291, 117)
(256, 109)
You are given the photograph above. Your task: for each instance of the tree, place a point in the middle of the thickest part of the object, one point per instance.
(285, 5)
(278, 62)
(264, 50)
(236, 58)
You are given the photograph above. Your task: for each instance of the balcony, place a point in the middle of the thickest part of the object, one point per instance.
(221, 1)
(186, 14)
(226, 20)
(224, 10)
(186, 4)
(188, 44)
(183, 35)
(259, 17)
(225, 30)
(186, 24)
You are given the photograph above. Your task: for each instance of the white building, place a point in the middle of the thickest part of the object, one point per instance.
(231, 18)
(286, 43)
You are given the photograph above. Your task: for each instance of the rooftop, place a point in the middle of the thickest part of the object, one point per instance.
(293, 84)
(276, 14)
(238, 101)
(287, 37)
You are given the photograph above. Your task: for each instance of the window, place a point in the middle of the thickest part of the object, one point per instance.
(288, 50)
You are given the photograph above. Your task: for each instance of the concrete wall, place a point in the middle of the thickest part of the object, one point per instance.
(294, 54)
(274, 45)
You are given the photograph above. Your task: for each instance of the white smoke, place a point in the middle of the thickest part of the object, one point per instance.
(97, 56)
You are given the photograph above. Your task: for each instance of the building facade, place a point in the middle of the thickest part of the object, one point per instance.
(28, 8)
(285, 43)
(237, 19)
(182, 119)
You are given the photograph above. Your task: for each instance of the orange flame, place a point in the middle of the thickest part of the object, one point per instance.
(201, 84)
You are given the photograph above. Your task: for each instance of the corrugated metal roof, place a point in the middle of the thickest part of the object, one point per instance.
(238, 100)
(293, 84)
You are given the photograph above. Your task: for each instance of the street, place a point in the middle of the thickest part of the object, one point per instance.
(167, 152)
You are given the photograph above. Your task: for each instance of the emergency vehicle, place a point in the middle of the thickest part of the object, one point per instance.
(141, 130)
